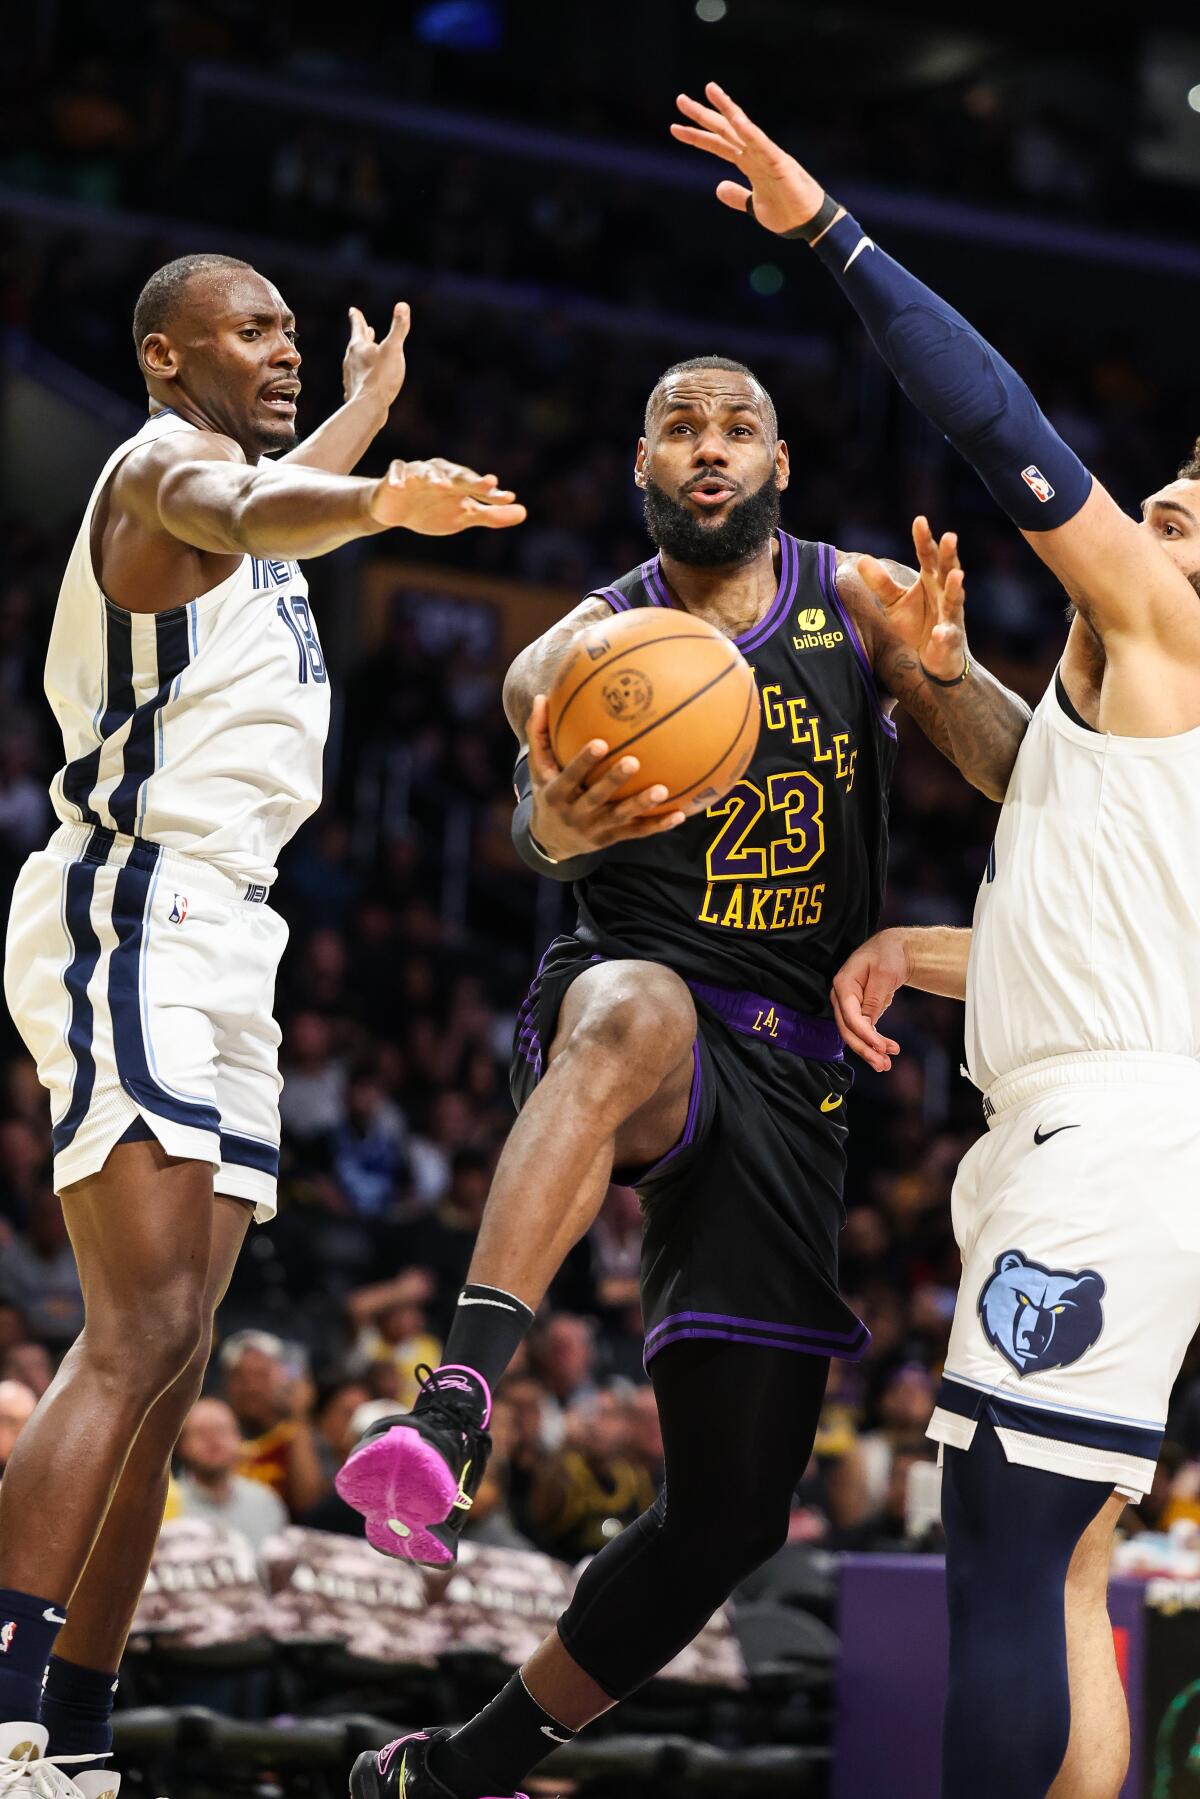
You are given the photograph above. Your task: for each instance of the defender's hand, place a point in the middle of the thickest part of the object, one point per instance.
(438, 498)
(863, 989)
(570, 819)
(785, 194)
(375, 370)
(928, 616)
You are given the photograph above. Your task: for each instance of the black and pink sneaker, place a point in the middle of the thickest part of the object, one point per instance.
(401, 1771)
(414, 1477)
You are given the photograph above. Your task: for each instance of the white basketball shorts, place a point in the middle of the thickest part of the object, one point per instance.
(143, 983)
(1078, 1219)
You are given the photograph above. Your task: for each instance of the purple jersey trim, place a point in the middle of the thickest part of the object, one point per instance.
(817, 1038)
(847, 1346)
(826, 569)
(689, 1123)
(854, 1335)
(785, 593)
(616, 599)
(528, 1041)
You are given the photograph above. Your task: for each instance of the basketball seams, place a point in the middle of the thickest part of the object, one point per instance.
(751, 702)
(648, 643)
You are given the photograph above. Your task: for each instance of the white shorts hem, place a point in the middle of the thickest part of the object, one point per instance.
(238, 1182)
(1130, 1475)
(89, 1152)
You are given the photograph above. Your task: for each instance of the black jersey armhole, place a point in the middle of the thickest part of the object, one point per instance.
(1064, 700)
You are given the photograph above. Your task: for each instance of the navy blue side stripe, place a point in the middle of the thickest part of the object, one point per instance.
(80, 776)
(85, 953)
(248, 1152)
(124, 999)
(174, 653)
(1059, 1427)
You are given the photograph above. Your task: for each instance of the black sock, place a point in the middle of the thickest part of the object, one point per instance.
(28, 1627)
(77, 1705)
(500, 1746)
(488, 1329)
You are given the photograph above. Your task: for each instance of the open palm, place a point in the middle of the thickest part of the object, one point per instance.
(785, 194)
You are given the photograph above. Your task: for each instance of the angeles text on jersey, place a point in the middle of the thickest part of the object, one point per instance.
(772, 887)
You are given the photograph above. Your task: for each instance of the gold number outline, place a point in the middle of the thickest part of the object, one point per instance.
(782, 853)
(734, 804)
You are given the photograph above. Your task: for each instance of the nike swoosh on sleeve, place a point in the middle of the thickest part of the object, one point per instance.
(864, 243)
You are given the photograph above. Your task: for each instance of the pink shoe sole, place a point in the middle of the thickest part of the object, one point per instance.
(401, 1485)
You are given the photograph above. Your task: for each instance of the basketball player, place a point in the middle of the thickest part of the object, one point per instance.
(1075, 1214)
(681, 1037)
(185, 671)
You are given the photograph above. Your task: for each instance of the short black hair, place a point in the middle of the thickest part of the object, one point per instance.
(159, 299)
(713, 362)
(1190, 470)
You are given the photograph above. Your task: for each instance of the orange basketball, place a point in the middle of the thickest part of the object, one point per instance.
(664, 687)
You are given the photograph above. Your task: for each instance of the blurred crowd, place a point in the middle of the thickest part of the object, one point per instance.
(410, 953)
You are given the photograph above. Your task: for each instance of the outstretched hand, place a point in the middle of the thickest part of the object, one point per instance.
(439, 498)
(785, 194)
(928, 614)
(379, 368)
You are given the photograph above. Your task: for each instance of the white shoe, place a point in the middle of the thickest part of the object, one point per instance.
(27, 1772)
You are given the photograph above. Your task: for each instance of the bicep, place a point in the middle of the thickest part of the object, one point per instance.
(1117, 574)
(197, 503)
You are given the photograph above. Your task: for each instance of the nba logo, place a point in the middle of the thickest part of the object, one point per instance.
(7, 1633)
(179, 909)
(1037, 483)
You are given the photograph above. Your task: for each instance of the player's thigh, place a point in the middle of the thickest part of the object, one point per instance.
(629, 1027)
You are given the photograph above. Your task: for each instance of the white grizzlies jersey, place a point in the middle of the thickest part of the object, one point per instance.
(1087, 925)
(201, 728)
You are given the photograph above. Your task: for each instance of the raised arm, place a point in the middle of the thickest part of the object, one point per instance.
(932, 959)
(913, 626)
(372, 376)
(1116, 573)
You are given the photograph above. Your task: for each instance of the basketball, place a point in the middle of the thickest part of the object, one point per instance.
(667, 688)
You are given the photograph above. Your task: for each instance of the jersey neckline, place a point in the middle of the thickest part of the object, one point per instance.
(785, 592)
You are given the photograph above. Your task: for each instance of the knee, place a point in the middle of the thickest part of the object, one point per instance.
(146, 1347)
(632, 1039)
(727, 1549)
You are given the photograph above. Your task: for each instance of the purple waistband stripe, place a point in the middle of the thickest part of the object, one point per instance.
(689, 1333)
(756, 1016)
(757, 1324)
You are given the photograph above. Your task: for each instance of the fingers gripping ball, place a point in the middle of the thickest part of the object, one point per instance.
(664, 687)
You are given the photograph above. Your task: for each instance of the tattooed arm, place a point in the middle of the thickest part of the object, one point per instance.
(907, 619)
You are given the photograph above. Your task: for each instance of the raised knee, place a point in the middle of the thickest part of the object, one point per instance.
(637, 1035)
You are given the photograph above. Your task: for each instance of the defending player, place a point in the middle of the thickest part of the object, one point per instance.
(185, 671)
(682, 1036)
(1075, 1214)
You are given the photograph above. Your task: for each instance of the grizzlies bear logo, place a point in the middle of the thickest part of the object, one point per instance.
(1040, 1318)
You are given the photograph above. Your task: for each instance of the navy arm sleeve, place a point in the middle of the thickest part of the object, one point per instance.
(961, 384)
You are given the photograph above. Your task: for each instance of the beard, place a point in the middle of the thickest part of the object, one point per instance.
(748, 525)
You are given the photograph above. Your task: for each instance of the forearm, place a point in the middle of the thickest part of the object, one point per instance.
(937, 958)
(291, 513)
(340, 444)
(961, 384)
(979, 724)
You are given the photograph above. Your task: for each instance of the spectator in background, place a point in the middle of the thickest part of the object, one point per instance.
(338, 1399)
(208, 1485)
(443, 1239)
(38, 1274)
(31, 1364)
(860, 1486)
(391, 1330)
(272, 1408)
(366, 1150)
(313, 1101)
(17, 1403)
(645, 1444)
(587, 1493)
(562, 1354)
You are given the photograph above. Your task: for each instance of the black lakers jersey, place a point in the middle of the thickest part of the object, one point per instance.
(771, 889)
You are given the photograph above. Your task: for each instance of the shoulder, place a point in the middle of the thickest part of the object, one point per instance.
(860, 603)
(138, 478)
(534, 666)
